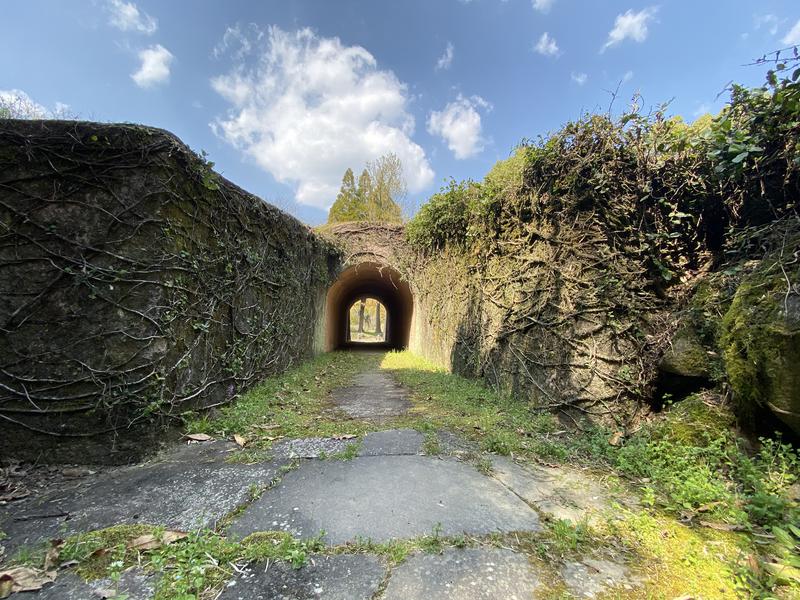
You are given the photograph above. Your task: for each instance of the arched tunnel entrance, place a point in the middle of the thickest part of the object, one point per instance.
(378, 282)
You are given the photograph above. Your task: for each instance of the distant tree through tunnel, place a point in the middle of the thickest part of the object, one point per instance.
(368, 303)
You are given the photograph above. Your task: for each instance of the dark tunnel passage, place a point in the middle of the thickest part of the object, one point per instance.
(369, 280)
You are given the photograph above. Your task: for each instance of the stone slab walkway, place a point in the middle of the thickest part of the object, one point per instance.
(391, 491)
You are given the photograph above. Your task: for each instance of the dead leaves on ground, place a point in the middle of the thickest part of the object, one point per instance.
(149, 541)
(199, 437)
(24, 579)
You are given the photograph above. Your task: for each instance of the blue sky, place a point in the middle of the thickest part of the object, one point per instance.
(283, 96)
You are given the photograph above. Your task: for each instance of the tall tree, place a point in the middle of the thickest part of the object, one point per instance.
(388, 188)
(361, 307)
(378, 329)
(349, 206)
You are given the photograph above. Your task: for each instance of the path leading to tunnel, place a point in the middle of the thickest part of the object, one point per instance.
(464, 522)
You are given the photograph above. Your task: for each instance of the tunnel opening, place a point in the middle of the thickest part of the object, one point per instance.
(377, 286)
(367, 320)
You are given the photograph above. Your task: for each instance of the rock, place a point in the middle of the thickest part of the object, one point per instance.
(686, 356)
(471, 574)
(761, 348)
(330, 577)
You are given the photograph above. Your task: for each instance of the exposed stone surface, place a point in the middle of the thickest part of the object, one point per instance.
(472, 574)
(190, 487)
(330, 577)
(384, 498)
(686, 356)
(590, 577)
(132, 585)
(392, 442)
(559, 492)
(373, 396)
(310, 447)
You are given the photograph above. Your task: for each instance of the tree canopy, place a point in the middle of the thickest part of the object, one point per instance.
(381, 186)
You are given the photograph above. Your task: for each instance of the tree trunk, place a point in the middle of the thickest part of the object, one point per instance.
(378, 318)
(361, 308)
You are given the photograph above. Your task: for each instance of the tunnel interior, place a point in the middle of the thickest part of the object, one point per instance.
(369, 280)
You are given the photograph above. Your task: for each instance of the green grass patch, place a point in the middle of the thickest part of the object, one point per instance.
(291, 405)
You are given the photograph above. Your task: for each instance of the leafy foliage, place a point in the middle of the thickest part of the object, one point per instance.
(380, 186)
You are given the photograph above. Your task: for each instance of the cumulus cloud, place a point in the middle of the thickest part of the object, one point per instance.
(459, 124)
(792, 37)
(306, 108)
(579, 78)
(630, 25)
(546, 46)
(125, 16)
(155, 68)
(542, 5)
(446, 59)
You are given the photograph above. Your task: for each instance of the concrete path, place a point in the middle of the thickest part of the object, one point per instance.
(391, 491)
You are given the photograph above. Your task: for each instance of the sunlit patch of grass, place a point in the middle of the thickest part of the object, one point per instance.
(500, 423)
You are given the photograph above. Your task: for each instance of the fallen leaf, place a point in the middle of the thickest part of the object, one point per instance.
(104, 593)
(345, 436)
(51, 558)
(151, 542)
(199, 437)
(239, 440)
(616, 438)
(23, 579)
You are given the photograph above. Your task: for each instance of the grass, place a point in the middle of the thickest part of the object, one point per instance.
(291, 405)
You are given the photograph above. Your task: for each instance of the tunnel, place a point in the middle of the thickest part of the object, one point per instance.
(369, 280)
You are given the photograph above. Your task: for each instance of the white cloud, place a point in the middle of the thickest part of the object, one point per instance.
(446, 59)
(306, 108)
(546, 45)
(768, 21)
(627, 76)
(127, 17)
(579, 78)
(792, 38)
(459, 124)
(156, 61)
(630, 25)
(542, 5)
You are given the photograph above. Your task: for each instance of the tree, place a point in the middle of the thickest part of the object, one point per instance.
(349, 206)
(378, 318)
(388, 188)
(361, 307)
(381, 186)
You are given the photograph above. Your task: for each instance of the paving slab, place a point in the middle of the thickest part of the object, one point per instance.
(590, 577)
(384, 498)
(191, 487)
(373, 396)
(471, 574)
(344, 577)
(310, 447)
(392, 442)
(133, 585)
(559, 492)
